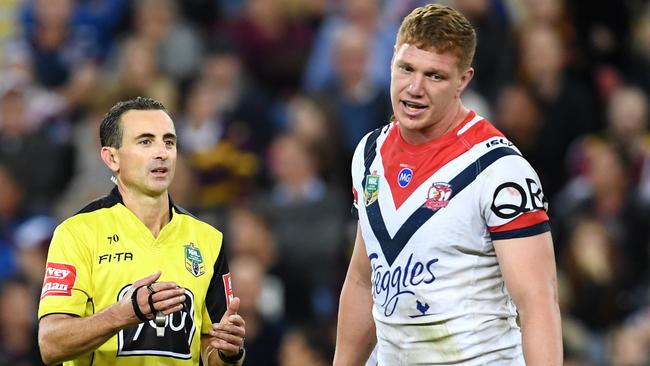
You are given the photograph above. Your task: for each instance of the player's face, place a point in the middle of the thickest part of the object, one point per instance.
(425, 90)
(147, 158)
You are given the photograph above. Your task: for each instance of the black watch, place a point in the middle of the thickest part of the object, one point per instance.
(232, 359)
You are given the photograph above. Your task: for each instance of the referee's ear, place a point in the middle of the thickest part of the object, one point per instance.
(110, 158)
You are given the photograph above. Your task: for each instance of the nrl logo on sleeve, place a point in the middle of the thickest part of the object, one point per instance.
(372, 187)
(194, 260)
(59, 279)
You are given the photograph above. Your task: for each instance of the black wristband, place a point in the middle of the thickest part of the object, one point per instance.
(136, 307)
(232, 359)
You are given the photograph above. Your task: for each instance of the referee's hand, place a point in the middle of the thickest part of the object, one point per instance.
(167, 297)
(228, 335)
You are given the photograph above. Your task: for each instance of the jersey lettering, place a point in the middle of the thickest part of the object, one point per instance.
(390, 284)
(529, 200)
(59, 279)
(141, 339)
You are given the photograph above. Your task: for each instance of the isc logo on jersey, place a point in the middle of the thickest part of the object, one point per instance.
(59, 279)
(404, 177)
(141, 339)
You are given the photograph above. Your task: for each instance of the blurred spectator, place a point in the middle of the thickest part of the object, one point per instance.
(42, 159)
(627, 130)
(494, 60)
(366, 15)
(32, 240)
(361, 102)
(308, 218)
(237, 98)
(9, 27)
(605, 193)
(176, 45)
(637, 65)
(274, 47)
(249, 235)
(631, 343)
(12, 213)
(312, 120)
(91, 178)
(94, 23)
(62, 57)
(567, 109)
(262, 336)
(594, 269)
(138, 74)
(306, 345)
(218, 150)
(18, 346)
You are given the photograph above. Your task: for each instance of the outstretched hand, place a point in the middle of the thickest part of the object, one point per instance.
(228, 335)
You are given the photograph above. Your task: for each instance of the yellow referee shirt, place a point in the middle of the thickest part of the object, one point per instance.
(97, 254)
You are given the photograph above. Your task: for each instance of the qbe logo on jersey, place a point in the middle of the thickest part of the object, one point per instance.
(59, 279)
(141, 339)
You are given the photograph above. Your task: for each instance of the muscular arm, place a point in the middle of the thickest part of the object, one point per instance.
(355, 336)
(528, 267)
(63, 337)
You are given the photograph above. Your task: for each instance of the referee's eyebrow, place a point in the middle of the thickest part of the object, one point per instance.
(149, 135)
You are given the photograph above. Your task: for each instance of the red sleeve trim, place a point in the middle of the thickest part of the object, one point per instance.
(523, 221)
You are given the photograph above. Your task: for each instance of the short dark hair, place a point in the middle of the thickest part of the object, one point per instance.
(110, 130)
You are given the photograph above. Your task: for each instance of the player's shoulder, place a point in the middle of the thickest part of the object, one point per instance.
(372, 138)
(477, 129)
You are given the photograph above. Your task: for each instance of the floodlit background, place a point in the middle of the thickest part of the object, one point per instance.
(270, 98)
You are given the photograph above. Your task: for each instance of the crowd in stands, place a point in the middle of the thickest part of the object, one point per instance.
(270, 98)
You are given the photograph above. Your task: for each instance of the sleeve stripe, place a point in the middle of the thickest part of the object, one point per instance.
(522, 233)
(523, 221)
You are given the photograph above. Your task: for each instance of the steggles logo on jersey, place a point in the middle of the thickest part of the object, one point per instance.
(404, 177)
(194, 260)
(390, 284)
(372, 187)
(141, 339)
(438, 196)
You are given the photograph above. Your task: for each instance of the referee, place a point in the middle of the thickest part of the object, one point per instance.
(133, 279)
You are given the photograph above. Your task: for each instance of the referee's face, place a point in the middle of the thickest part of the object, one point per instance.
(147, 157)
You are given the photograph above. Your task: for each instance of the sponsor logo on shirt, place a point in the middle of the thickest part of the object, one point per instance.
(141, 339)
(404, 177)
(59, 279)
(511, 199)
(227, 287)
(390, 284)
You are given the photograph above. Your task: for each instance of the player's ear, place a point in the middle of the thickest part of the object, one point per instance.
(110, 158)
(465, 78)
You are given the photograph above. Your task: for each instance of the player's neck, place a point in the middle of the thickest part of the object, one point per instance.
(152, 211)
(446, 124)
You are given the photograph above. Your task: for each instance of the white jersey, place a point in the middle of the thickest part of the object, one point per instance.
(428, 215)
